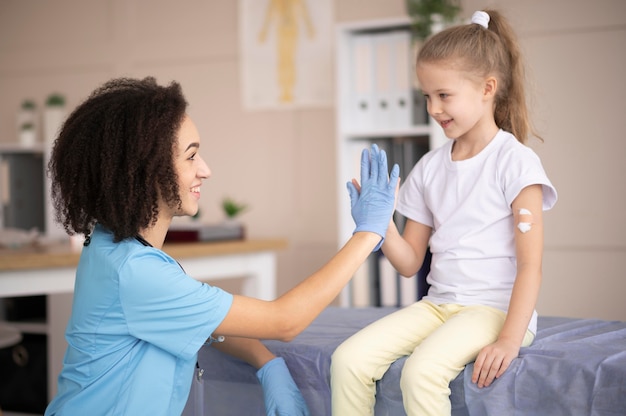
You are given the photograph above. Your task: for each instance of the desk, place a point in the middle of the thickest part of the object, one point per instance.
(50, 271)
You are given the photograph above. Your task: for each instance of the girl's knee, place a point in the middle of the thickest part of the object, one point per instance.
(350, 360)
(412, 373)
(350, 351)
(342, 353)
(425, 371)
(425, 386)
(343, 358)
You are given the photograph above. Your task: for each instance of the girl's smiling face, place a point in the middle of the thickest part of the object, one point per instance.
(460, 104)
(190, 168)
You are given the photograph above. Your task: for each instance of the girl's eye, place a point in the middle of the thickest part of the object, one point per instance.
(443, 96)
(193, 156)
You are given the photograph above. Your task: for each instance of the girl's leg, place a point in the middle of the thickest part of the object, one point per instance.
(435, 362)
(363, 358)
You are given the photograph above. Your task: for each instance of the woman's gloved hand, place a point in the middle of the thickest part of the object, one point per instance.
(281, 394)
(373, 201)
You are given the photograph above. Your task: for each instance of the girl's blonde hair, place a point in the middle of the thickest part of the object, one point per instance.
(483, 52)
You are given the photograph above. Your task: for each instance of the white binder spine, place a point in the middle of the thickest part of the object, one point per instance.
(362, 92)
(401, 73)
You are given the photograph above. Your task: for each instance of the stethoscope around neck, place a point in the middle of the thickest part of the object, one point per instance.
(143, 241)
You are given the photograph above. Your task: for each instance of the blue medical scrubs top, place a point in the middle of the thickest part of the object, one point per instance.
(137, 324)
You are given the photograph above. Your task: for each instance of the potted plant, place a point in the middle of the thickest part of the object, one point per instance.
(53, 116)
(28, 105)
(27, 123)
(429, 16)
(28, 136)
(55, 100)
(232, 208)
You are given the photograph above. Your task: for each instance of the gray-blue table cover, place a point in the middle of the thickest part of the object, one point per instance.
(574, 367)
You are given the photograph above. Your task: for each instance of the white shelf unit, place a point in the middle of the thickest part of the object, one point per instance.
(358, 73)
(24, 167)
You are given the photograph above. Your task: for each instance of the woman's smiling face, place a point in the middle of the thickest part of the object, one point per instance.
(190, 168)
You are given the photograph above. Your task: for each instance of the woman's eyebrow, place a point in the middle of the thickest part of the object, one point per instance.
(194, 144)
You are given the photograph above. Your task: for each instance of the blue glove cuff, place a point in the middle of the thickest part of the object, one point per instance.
(380, 243)
(280, 392)
(274, 364)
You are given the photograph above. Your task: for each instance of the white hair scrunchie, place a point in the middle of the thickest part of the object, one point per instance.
(481, 18)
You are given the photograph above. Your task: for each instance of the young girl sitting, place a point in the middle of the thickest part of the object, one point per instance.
(477, 202)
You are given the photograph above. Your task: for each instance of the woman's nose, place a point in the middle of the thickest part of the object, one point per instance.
(204, 171)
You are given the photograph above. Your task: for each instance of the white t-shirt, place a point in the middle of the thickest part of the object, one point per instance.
(468, 205)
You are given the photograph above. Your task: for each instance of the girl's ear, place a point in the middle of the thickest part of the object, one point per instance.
(490, 87)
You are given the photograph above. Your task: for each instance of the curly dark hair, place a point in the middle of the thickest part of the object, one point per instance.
(113, 159)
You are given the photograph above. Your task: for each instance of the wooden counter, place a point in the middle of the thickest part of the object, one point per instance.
(62, 256)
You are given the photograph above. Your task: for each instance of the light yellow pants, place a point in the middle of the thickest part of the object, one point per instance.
(439, 340)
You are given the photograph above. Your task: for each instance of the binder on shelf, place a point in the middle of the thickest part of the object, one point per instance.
(383, 62)
(377, 283)
(401, 75)
(396, 155)
(381, 73)
(412, 152)
(393, 101)
(406, 152)
(374, 292)
(409, 154)
(362, 89)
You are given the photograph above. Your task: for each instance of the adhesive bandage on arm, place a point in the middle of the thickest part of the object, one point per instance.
(525, 220)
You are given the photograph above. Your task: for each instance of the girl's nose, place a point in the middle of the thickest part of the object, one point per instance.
(433, 108)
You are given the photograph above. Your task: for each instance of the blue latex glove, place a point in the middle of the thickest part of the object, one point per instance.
(281, 395)
(373, 206)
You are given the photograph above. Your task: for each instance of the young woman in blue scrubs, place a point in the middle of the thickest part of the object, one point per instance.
(125, 163)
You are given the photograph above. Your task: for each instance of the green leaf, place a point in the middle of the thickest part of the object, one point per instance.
(233, 208)
(422, 11)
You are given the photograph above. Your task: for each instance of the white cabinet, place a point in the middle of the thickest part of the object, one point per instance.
(377, 102)
(25, 204)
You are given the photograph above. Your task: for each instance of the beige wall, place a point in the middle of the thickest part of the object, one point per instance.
(577, 54)
(576, 51)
